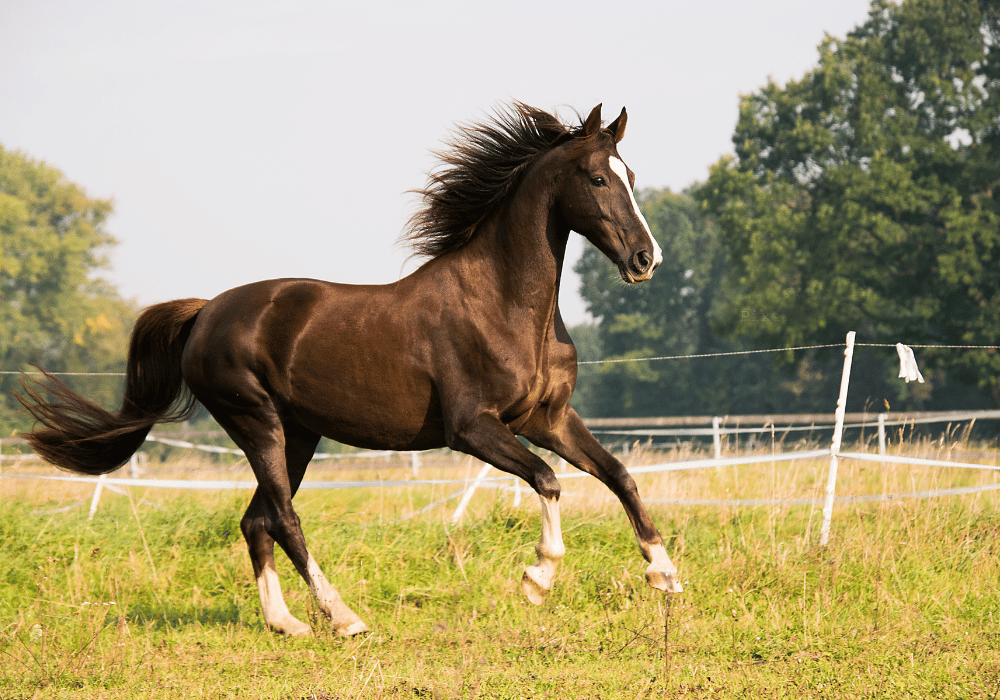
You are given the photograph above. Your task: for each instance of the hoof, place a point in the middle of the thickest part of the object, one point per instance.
(534, 589)
(668, 581)
(357, 627)
(293, 628)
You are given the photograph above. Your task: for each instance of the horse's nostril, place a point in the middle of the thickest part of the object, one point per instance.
(642, 262)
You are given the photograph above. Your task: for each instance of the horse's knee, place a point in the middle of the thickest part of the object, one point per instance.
(546, 484)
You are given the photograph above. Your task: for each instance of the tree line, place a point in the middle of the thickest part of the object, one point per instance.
(863, 196)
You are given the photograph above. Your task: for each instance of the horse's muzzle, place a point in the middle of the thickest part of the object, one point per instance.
(640, 267)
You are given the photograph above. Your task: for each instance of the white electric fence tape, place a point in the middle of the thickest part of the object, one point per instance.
(230, 485)
(908, 370)
(234, 451)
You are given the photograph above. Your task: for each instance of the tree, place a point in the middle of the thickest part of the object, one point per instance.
(54, 311)
(675, 315)
(670, 315)
(865, 195)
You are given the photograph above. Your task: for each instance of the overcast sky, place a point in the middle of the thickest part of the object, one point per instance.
(244, 140)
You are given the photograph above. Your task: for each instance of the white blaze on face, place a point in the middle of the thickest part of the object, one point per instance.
(618, 168)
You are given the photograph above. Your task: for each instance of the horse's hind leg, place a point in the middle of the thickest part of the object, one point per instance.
(279, 465)
(261, 546)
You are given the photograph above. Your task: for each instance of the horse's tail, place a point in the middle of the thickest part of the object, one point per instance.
(83, 437)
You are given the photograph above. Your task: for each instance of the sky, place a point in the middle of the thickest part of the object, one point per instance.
(243, 140)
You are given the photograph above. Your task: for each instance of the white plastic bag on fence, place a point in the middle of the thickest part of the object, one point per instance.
(908, 369)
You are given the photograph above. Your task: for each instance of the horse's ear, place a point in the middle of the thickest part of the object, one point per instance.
(617, 127)
(593, 123)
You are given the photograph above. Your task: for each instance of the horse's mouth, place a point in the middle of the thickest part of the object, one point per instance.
(628, 277)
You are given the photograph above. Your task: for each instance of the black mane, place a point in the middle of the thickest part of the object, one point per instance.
(481, 168)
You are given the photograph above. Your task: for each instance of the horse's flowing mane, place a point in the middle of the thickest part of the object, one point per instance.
(481, 167)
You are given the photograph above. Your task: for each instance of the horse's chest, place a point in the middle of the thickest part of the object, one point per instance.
(532, 401)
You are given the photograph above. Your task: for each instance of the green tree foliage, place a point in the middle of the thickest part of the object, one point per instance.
(669, 316)
(675, 315)
(865, 195)
(54, 311)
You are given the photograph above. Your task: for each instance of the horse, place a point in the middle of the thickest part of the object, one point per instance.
(469, 351)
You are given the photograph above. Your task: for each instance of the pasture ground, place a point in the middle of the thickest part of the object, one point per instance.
(160, 602)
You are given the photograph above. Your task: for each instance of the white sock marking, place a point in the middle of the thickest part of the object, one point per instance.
(276, 613)
(538, 577)
(326, 595)
(344, 620)
(661, 572)
(551, 547)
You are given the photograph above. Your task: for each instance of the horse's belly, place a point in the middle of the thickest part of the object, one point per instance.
(374, 412)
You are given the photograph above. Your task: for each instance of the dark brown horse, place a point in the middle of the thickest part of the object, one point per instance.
(467, 352)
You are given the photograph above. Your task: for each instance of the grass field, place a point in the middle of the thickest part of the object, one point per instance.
(159, 602)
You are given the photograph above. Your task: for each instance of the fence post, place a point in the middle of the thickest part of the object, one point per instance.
(467, 496)
(97, 496)
(716, 437)
(415, 463)
(881, 433)
(838, 434)
(517, 492)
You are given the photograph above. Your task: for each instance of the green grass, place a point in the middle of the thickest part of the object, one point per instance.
(904, 603)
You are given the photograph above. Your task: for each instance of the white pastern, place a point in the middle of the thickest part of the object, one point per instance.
(344, 621)
(538, 578)
(617, 166)
(276, 613)
(661, 573)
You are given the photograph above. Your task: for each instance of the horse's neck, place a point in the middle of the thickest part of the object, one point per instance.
(522, 250)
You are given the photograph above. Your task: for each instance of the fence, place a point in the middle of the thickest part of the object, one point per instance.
(840, 421)
(778, 424)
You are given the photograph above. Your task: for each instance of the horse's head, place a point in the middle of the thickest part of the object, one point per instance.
(595, 198)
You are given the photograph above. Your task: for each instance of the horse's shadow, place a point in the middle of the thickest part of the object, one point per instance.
(156, 616)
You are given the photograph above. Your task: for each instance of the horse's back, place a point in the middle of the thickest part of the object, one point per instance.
(338, 359)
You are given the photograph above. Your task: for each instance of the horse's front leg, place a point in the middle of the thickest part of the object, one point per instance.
(538, 578)
(573, 442)
(488, 439)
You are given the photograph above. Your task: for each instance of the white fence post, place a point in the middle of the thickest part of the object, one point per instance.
(881, 433)
(838, 434)
(467, 496)
(97, 496)
(716, 437)
(415, 463)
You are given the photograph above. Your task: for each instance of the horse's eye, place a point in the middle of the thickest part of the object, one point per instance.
(597, 181)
